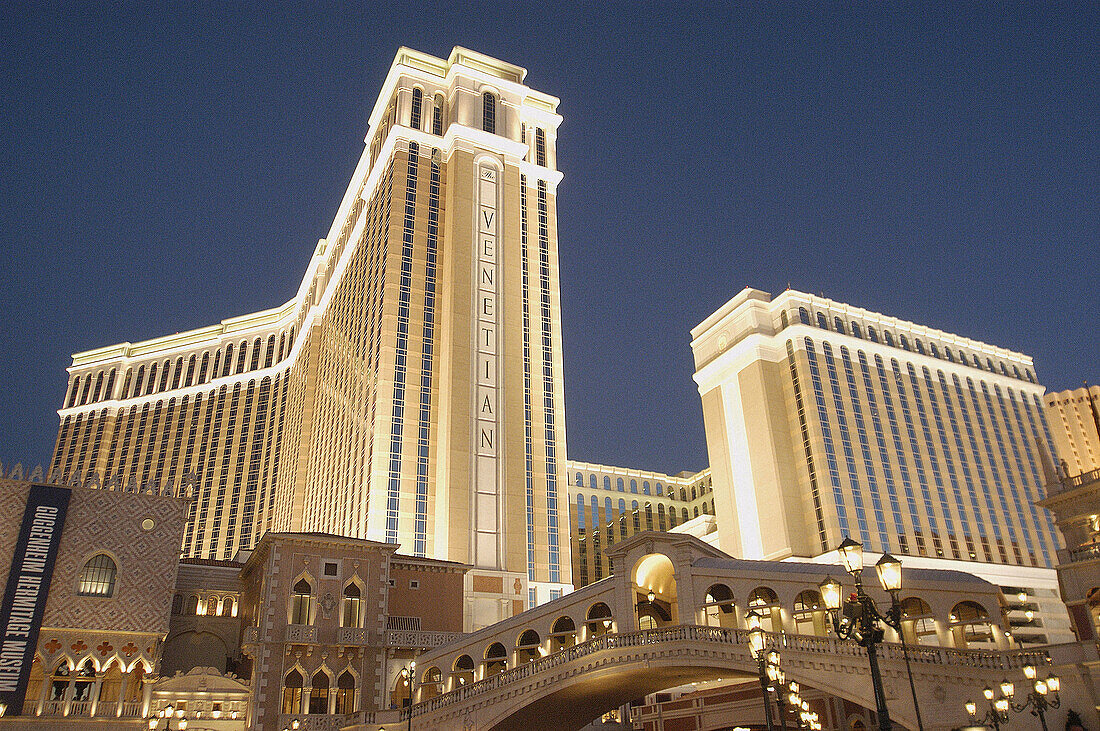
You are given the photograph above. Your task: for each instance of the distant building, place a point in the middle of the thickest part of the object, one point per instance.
(1075, 426)
(825, 420)
(610, 504)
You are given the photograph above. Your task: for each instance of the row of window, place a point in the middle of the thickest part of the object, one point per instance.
(320, 697)
(302, 608)
(933, 349)
(906, 409)
(685, 493)
(158, 377)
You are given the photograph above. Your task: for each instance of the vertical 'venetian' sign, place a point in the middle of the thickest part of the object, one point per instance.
(28, 586)
(487, 423)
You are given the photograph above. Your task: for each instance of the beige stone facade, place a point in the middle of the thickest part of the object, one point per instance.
(1075, 502)
(609, 504)
(411, 391)
(1075, 424)
(825, 420)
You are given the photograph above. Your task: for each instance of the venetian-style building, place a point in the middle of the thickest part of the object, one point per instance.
(411, 391)
(825, 420)
(99, 643)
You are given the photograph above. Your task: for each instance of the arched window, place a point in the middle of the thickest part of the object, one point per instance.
(496, 660)
(417, 104)
(489, 113)
(660, 489)
(229, 607)
(765, 602)
(97, 578)
(76, 389)
(592, 482)
(527, 646)
(599, 620)
(580, 480)
(619, 485)
(822, 321)
(919, 345)
(242, 356)
(437, 115)
(784, 320)
(292, 692)
(645, 487)
(217, 369)
(301, 603)
(718, 607)
(269, 356)
(888, 338)
(318, 694)
(257, 344)
(871, 334)
(462, 672)
(855, 330)
(165, 369)
(904, 342)
(606, 482)
(139, 381)
(918, 622)
(204, 368)
(228, 365)
(177, 604)
(948, 354)
(804, 316)
(350, 616)
(684, 515)
(563, 634)
(839, 325)
(634, 486)
(431, 683)
(59, 682)
(345, 693)
(970, 625)
(809, 613)
(85, 677)
(192, 607)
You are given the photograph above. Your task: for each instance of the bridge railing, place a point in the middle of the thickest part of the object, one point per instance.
(811, 644)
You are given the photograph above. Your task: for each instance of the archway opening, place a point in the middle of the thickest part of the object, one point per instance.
(718, 607)
(563, 634)
(654, 584)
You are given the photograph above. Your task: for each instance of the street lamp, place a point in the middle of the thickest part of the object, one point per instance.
(409, 674)
(888, 569)
(1037, 699)
(758, 642)
(998, 709)
(860, 619)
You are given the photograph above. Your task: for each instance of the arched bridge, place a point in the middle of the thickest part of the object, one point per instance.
(673, 614)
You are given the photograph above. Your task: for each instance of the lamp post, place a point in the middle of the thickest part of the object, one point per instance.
(409, 674)
(888, 569)
(758, 646)
(861, 618)
(997, 714)
(1038, 699)
(777, 677)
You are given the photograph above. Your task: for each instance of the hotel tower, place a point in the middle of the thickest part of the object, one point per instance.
(411, 391)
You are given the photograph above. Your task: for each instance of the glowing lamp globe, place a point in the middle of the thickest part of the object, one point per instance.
(888, 569)
(851, 554)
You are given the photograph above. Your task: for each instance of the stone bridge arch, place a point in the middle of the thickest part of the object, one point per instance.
(576, 685)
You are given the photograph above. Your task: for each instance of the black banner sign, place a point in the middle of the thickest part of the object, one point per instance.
(28, 586)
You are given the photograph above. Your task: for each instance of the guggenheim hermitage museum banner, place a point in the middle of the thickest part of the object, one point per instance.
(28, 586)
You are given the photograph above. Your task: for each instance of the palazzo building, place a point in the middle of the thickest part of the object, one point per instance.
(411, 391)
(825, 420)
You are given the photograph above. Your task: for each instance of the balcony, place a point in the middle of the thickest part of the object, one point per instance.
(419, 639)
(351, 636)
(300, 633)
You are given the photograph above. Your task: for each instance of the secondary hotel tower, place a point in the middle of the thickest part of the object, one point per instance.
(827, 420)
(411, 392)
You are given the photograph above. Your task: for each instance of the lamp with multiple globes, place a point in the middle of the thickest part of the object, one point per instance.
(859, 619)
(1042, 696)
(409, 674)
(166, 713)
(758, 646)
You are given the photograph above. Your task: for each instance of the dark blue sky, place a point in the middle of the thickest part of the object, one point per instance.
(167, 168)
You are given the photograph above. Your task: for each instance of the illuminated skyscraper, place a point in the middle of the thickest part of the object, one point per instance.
(825, 420)
(411, 391)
